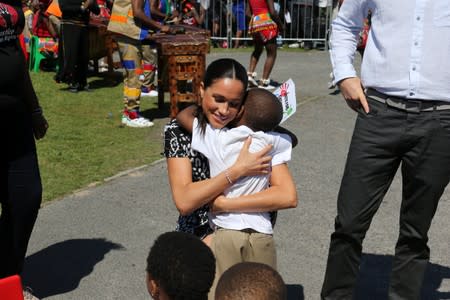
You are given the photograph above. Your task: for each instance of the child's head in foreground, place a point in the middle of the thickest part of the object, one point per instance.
(180, 266)
(262, 110)
(251, 281)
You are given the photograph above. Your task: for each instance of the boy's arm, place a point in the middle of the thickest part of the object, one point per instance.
(281, 194)
(186, 117)
(288, 132)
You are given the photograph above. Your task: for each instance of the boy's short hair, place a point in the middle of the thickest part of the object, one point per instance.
(183, 265)
(262, 110)
(251, 281)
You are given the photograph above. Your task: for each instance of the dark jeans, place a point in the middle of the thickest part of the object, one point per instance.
(381, 142)
(20, 192)
(76, 53)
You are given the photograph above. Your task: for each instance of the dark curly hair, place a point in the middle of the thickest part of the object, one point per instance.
(262, 110)
(182, 265)
(251, 281)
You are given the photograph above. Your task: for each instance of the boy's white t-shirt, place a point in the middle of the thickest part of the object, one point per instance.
(222, 147)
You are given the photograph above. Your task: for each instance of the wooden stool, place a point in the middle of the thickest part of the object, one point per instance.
(181, 65)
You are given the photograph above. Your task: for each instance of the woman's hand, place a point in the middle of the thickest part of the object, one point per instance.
(250, 164)
(40, 125)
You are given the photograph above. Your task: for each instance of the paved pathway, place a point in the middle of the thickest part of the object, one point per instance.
(93, 244)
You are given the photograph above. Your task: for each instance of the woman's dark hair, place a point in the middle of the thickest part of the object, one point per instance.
(225, 68)
(221, 69)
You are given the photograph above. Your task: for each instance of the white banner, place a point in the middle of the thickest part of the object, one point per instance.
(286, 94)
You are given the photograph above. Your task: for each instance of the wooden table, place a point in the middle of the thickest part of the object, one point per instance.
(101, 42)
(181, 65)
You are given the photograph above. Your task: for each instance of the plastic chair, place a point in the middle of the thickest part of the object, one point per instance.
(36, 56)
(11, 288)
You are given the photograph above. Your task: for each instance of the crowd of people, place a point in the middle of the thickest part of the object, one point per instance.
(62, 28)
(227, 157)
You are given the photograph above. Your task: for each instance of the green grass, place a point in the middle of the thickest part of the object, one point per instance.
(86, 142)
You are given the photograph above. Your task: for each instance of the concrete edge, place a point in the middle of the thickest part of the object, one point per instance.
(108, 179)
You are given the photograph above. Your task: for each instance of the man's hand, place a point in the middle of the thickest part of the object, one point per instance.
(172, 29)
(353, 93)
(165, 29)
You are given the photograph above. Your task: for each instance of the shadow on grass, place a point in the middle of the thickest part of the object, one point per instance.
(102, 80)
(295, 292)
(156, 113)
(373, 282)
(59, 268)
(106, 79)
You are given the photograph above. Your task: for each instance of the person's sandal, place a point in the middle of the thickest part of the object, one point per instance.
(265, 84)
(251, 79)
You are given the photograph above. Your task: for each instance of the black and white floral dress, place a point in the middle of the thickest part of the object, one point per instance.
(177, 143)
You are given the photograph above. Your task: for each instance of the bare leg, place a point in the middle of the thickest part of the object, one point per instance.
(238, 36)
(271, 48)
(216, 29)
(256, 54)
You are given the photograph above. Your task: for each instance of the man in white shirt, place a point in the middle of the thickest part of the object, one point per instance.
(403, 105)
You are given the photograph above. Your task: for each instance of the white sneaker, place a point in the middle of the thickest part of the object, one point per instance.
(136, 123)
(331, 84)
(151, 93)
(103, 69)
(265, 84)
(251, 79)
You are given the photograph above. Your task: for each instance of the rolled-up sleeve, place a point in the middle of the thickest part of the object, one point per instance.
(345, 31)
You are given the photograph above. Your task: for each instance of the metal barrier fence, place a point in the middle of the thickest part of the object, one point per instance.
(306, 22)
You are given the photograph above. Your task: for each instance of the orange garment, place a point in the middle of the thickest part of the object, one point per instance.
(53, 9)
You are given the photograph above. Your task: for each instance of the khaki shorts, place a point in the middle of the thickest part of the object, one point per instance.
(233, 246)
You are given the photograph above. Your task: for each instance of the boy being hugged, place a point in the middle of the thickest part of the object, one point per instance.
(246, 236)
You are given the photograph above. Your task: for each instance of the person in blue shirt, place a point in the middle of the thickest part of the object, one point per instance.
(403, 104)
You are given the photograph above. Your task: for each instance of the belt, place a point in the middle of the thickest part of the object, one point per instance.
(246, 230)
(408, 105)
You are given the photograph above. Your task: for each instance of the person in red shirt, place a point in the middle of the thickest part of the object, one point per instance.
(264, 27)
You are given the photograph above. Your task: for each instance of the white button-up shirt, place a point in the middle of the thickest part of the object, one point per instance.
(408, 48)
